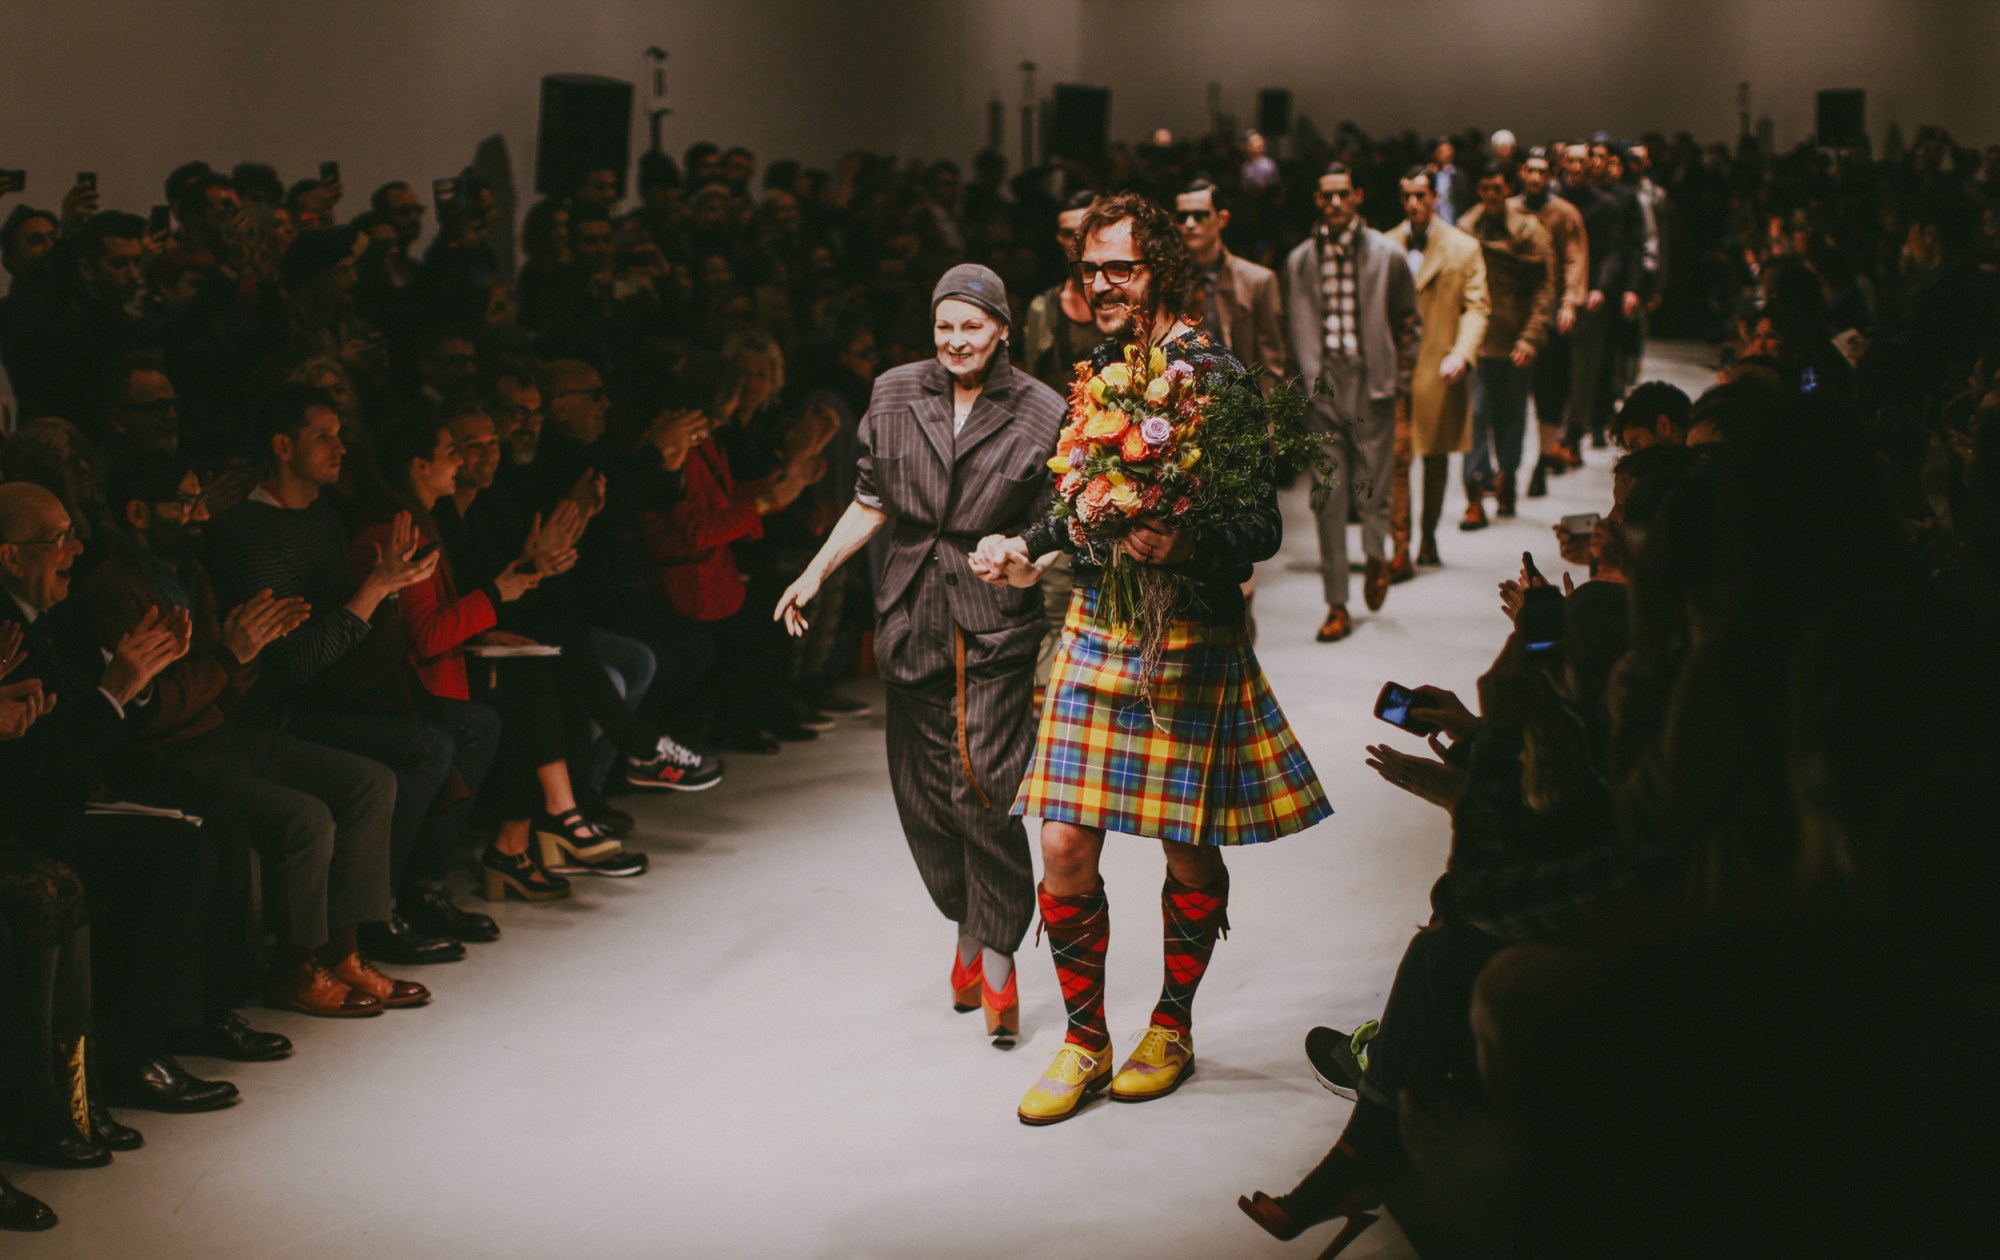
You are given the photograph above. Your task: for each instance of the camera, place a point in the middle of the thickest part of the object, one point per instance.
(1581, 525)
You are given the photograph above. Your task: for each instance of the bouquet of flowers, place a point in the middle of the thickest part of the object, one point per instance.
(1171, 445)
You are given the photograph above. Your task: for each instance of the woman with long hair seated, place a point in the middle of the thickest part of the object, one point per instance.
(531, 782)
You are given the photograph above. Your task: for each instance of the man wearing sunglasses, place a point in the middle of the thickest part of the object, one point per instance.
(1351, 306)
(1240, 299)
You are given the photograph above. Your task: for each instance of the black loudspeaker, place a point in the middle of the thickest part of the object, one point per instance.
(586, 126)
(1082, 121)
(1842, 116)
(1274, 112)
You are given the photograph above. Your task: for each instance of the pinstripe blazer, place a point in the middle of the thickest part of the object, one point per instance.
(945, 492)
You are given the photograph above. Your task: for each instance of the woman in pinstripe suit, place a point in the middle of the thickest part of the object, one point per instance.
(952, 450)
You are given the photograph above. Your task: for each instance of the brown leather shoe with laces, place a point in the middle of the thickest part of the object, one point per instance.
(360, 974)
(1337, 626)
(311, 989)
(1475, 516)
(1375, 585)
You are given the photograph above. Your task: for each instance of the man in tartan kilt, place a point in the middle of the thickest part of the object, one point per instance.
(1197, 756)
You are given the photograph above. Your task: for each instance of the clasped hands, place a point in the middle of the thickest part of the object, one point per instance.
(1004, 561)
(23, 703)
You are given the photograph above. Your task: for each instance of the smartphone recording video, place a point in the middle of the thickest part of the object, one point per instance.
(1540, 621)
(1393, 706)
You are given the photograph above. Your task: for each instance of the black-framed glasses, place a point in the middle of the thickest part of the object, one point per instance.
(63, 538)
(595, 392)
(1117, 271)
(516, 415)
(1193, 216)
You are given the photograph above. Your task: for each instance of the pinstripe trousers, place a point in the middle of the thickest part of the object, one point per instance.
(973, 856)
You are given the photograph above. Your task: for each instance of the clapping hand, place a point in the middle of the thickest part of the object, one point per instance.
(1436, 781)
(21, 705)
(160, 639)
(1512, 592)
(259, 621)
(588, 493)
(397, 565)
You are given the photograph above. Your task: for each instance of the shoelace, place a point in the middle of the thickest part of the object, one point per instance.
(1154, 1039)
(1072, 1065)
(679, 754)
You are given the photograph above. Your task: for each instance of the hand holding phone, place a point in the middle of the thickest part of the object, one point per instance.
(1393, 706)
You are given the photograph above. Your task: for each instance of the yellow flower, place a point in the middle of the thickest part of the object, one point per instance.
(1190, 456)
(1105, 425)
(1157, 390)
(1124, 495)
(1115, 377)
(1115, 478)
(1158, 363)
(1060, 464)
(1096, 388)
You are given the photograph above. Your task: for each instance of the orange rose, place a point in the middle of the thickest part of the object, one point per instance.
(1134, 448)
(1106, 425)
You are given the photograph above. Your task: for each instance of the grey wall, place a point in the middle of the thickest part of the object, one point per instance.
(408, 88)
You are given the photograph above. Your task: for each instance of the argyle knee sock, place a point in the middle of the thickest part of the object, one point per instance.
(1079, 930)
(1192, 918)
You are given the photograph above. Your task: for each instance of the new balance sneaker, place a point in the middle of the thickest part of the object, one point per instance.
(675, 767)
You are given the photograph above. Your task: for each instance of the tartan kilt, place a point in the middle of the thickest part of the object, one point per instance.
(1224, 770)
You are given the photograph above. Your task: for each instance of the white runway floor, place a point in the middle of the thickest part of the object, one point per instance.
(751, 1053)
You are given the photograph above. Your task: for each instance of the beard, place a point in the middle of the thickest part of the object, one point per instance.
(1114, 312)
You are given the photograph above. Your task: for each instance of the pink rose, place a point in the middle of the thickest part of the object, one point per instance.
(1157, 431)
(1179, 370)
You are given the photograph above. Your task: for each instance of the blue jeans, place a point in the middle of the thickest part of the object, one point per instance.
(1499, 419)
(632, 666)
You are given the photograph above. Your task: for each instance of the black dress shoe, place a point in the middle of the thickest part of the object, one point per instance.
(397, 941)
(23, 1212)
(46, 1135)
(434, 914)
(104, 1129)
(228, 1037)
(162, 1084)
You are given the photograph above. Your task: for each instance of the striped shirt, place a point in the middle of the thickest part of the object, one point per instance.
(1338, 284)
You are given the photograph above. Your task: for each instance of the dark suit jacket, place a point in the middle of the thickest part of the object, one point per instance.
(47, 774)
(192, 696)
(946, 491)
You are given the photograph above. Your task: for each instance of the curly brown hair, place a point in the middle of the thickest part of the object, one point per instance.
(1176, 288)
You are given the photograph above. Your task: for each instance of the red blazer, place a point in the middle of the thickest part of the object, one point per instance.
(689, 545)
(436, 618)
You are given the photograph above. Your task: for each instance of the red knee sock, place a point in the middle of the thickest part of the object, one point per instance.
(1192, 918)
(1079, 930)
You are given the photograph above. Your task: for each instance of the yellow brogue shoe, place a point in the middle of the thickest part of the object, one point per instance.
(1163, 1059)
(1076, 1074)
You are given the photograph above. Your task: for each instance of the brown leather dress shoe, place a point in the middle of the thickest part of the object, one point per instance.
(1400, 569)
(358, 973)
(1375, 585)
(1474, 518)
(1427, 552)
(1337, 626)
(311, 989)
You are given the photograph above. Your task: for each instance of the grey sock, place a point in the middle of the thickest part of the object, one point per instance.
(968, 949)
(998, 967)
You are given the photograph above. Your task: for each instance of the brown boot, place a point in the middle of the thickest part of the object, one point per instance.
(1337, 626)
(1475, 516)
(1400, 568)
(1375, 585)
(1427, 554)
(1503, 496)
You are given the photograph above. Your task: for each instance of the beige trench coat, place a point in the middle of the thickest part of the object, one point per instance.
(1453, 305)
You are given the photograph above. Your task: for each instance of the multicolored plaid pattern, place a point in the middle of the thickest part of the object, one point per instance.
(1079, 929)
(1221, 767)
(1193, 918)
